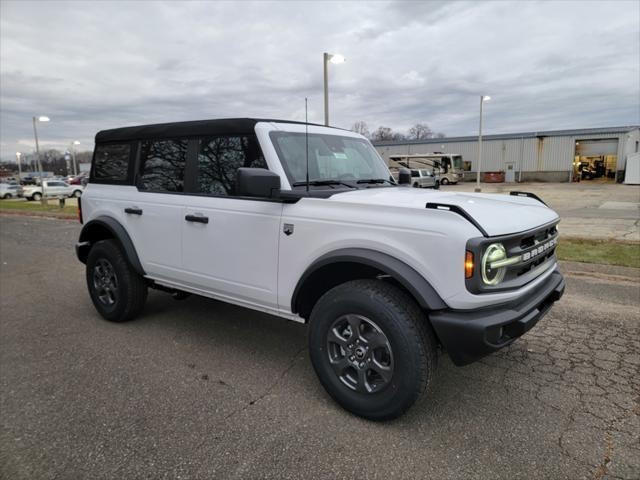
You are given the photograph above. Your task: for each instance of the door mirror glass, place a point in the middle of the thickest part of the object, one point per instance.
(257, 182)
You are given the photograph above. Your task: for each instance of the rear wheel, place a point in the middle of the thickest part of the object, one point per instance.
(36, 196)
(77, 193)
(7, 196)
(118, 292)
(415, 185)
(371, 348)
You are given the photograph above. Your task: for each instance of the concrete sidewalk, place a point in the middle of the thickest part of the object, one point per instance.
(590, 209)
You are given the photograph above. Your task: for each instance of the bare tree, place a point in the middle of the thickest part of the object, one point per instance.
(440, 135)
(361, 128)
(420, 131)
(382, 134)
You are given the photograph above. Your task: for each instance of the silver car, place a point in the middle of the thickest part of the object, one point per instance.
(424, 178)
(9, 190)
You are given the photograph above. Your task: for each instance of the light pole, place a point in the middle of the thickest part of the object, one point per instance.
(35, 134)
(335, 59)
(483, 98)
(18, 155)
(73, 156)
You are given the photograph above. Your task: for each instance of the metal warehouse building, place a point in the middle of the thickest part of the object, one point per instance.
(554, 156)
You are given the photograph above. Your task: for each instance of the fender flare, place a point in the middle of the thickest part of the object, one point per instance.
(416, 284)
(119, 233)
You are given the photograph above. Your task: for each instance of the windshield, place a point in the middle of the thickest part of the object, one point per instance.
(457, 162)
(331, 157)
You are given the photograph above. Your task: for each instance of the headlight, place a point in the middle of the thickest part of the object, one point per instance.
(494, 253)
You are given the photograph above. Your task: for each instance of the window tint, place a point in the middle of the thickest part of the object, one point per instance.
(220, 157)
(415, 173)
(111, 162)
(162, 165)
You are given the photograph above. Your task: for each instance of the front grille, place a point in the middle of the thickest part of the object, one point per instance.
(534, 248)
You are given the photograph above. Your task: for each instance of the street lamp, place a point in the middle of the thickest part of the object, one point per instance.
(483, 98)
(73, 156)
(41, 118)
(18, 155)
(336, 60)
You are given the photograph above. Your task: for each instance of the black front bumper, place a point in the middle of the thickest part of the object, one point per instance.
(470, 335)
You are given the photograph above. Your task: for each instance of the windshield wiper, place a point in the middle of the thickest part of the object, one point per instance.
(375, 180)
(322, 182)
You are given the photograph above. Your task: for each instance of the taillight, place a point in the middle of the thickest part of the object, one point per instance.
(468, 265)
(80, 209)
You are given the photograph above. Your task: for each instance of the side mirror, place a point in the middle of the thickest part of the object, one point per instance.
(257, 182)
(404, 176)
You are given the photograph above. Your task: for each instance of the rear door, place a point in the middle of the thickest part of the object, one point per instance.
(153, 210)
(230, 243)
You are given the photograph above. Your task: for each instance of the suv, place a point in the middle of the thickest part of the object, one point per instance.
(305, 222)
(52, 188)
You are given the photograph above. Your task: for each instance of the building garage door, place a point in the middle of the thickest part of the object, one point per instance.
(596, 148)
(596, 159)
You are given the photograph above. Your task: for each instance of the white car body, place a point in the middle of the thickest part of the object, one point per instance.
(8, 190)
(242, 257)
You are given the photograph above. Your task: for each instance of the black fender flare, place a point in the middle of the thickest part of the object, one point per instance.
(409, 278)
(117, 231)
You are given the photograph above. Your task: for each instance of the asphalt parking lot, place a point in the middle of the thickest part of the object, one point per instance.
(200, 389)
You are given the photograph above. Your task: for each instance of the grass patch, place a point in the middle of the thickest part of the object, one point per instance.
(599, 251)
(37, 207)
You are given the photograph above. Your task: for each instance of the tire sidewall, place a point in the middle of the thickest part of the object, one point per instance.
(406, 360)
(109, 251)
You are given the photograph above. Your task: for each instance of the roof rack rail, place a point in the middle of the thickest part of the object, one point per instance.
(460, 211)
(527, 194)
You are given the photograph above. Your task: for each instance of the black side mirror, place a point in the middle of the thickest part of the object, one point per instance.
(404, 176)
(257, 182)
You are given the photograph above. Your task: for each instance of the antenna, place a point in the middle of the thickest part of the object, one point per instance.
(306, 138)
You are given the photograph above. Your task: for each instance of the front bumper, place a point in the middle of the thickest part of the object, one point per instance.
(470, 335)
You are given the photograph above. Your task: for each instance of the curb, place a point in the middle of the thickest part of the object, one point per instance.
(59, 216)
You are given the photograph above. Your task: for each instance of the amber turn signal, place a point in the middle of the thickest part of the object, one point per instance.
(468, 265)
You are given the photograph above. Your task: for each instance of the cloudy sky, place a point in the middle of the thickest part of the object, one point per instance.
(95, 65)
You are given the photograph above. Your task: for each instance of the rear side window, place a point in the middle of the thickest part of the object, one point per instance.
(219, 159)
(162, 164)
(111, 162)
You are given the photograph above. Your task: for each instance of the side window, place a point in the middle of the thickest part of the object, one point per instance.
(415, 173)
(111, 162)
(220, 157)
(162, 164)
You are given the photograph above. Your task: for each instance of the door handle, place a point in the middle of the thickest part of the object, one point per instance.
(196, 218)
(133, 211)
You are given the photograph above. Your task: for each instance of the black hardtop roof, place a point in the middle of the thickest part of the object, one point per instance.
(195, 128)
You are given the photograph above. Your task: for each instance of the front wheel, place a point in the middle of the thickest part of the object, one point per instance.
(445, 181)
(36, 196)
(77, 193)
(371, 348)
(7, 196)
(415, 185)
(118, 292)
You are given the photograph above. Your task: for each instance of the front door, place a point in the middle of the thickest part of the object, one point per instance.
(510, 173)
(229, 243)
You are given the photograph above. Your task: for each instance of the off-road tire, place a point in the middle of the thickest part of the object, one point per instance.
(131, 289)
(410, 337)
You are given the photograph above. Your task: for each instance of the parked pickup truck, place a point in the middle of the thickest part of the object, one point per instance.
(305, 222)
(52, 188)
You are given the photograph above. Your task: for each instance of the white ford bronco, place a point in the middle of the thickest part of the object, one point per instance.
(305, 222)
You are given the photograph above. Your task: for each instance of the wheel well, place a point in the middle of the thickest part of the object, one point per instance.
(91, 234)
(325, 278)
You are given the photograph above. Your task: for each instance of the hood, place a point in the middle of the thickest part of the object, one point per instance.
(498, 214)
